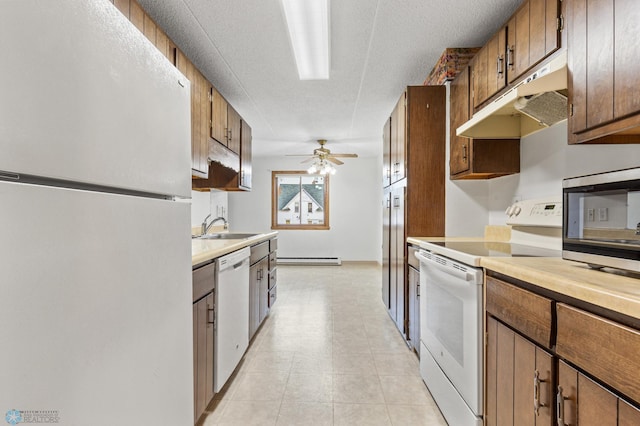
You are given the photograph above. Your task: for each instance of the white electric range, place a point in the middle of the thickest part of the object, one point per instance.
(451, 304)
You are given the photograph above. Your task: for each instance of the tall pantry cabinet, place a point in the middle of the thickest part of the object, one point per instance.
(413, 187)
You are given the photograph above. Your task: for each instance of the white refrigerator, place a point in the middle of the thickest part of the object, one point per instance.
(95, 248)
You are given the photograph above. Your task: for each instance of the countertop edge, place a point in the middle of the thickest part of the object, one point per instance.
(612, 290)
(205, 250)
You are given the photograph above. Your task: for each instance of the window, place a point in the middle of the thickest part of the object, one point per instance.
(292, 190)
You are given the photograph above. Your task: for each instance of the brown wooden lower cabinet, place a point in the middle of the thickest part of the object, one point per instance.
(582, 401)
(519, 379)
(590, 364)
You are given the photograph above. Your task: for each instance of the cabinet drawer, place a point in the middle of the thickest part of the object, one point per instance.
(523, 310)
(204, 280)
(273, 244)
(273, 278)
(259, 251)
(587, 341)
(273, 295)
(273, 259)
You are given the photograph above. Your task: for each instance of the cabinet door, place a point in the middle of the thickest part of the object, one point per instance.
(203, 334)
(603, 87)
(398, 140)
(149, 29)
(479, 66)
(234, 124)
(567, 395)
(626, 53)
(581, 401)
(263, 283)
(219, 117)
(414, 308)
(386, 250)
(398, 244)
(496, 47)
(386, 153)
(123, 6)
(136, 15)
(459, 149)
(627, 415)
(600, 83)
(533, 393)
(245, 155)
(518, 40)
(254, 299)
(519, 379)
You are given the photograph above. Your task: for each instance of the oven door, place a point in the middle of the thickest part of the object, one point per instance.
(451, 322)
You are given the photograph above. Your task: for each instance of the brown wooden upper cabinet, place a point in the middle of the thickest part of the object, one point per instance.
(245, 156)
(219, 129)
(532, 34)
(604, 82)
(473, 158)
(234, 127)
(489, 74)
(386, 153)
(398, 140)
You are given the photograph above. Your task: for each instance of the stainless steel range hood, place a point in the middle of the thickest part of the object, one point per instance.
(539, 101)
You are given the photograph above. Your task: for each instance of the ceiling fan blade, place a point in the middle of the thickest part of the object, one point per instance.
(307, 160)
(334, 160)
(298, 155)
(345, 155)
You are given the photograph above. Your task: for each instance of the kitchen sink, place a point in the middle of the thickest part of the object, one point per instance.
(226, 236)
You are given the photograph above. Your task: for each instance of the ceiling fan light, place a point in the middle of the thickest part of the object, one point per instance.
(308, 23)
(312, 169)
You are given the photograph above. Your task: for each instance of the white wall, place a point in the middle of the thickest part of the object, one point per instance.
(546, 159)
(467, 201)
(355, 214)
(214, 203)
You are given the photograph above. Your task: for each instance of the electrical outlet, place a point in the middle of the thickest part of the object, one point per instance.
(603, 214)
(591, 215)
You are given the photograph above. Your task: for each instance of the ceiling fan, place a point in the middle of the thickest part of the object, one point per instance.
(322, 155)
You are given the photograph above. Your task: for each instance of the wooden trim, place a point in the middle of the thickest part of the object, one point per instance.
(274, 203)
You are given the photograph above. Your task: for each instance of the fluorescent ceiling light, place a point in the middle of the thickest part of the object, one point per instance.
(308, 22)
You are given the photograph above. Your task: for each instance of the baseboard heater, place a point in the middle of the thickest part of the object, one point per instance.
(310, 261)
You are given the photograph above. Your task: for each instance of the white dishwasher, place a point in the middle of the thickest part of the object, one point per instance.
(232, 314)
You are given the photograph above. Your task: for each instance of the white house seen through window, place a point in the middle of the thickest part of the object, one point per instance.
(294, 189)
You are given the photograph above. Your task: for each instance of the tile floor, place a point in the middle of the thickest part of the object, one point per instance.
(327, 354)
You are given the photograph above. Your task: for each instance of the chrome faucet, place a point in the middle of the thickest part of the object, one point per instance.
(205, 227)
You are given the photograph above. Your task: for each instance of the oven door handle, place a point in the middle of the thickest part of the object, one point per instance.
(444, 268)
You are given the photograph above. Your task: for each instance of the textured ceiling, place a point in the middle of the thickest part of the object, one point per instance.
(377, 48)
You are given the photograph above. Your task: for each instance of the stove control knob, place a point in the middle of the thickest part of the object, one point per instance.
(509, 211)
(516, 210)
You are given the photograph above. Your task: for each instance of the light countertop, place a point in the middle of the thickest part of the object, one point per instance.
(204, 250)
(611, 289)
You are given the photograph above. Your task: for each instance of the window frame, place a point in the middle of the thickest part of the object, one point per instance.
(274, 202)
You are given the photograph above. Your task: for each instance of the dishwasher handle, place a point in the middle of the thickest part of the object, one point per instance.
(445, 265)
(239, 264)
